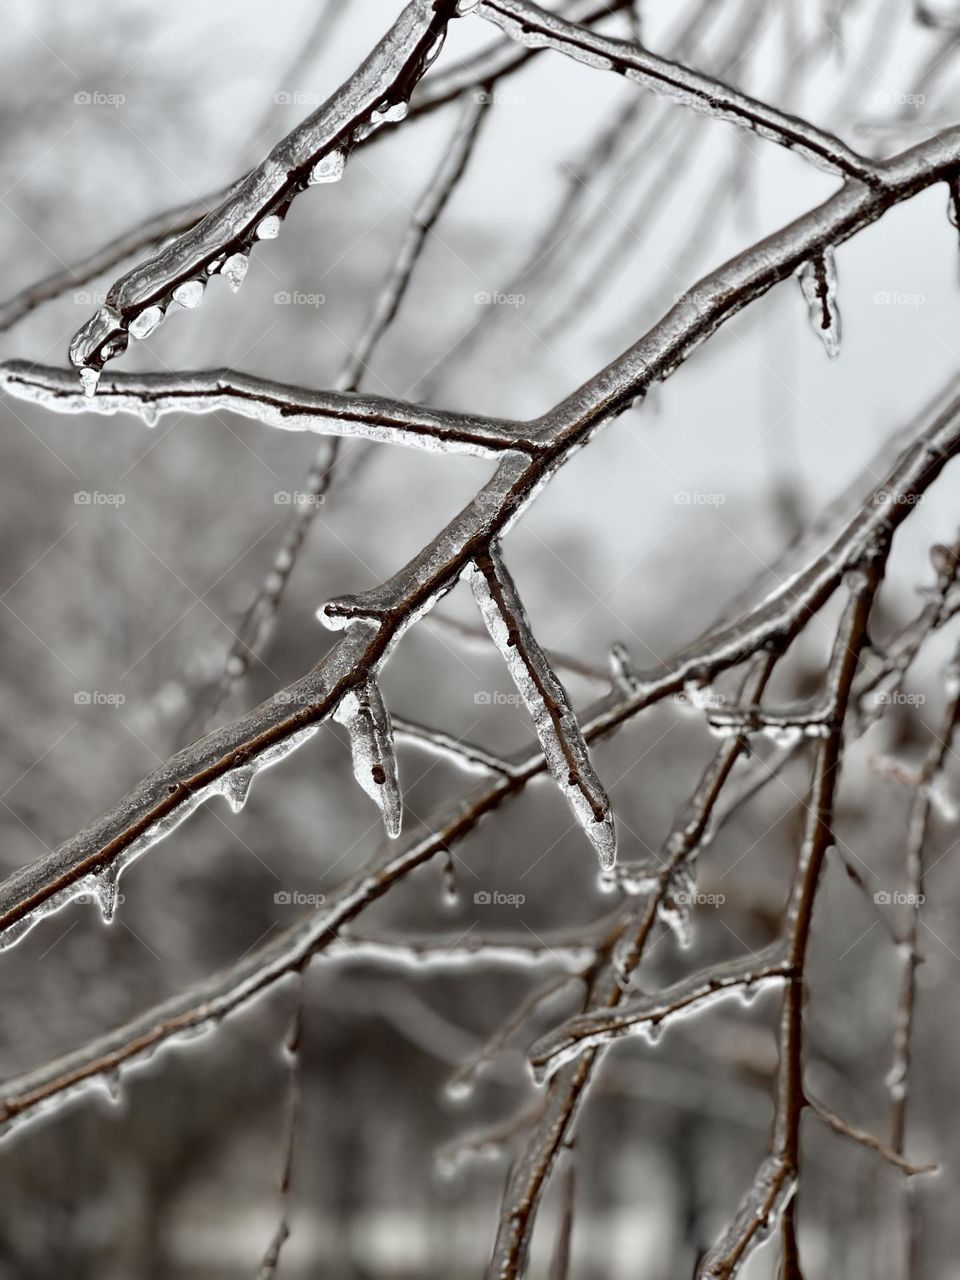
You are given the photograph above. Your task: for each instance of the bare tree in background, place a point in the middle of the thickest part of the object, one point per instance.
(809, 664)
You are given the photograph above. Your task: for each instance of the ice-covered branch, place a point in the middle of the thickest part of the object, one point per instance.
(646, 1015)
(537, 28)
(546, 699)
(332, 413)
(776, 1178)
(315, 151)
(256, 624)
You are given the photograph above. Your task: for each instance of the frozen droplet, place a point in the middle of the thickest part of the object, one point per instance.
(458, 1088)
(142, 325)
(149, 413)
(106, 887)
(235, 787)
(235, 270)
(269, 228)
(189, 294)
(467, 6)
(364, 714)
(88, 380)
(114, 1088)
(653, 1030)
(818, 283)
(329, 168)
(392, 113)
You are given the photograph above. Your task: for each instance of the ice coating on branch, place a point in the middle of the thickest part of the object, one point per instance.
(622, 669)
(643, 1013)
(364, 714)
(633, 878)
(102, 885)
(759, 1214)
(818, 283)
(546, 699)
(675, 906)
(314, 151)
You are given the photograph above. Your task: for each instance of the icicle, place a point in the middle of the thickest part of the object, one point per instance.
(143, 325)
(269, 228)
(235, 787)
(674, 907)
(106, 886)
(88, 380)
(235, 270)
(113, 1086)
(546, 700)
(818, 283)
(189, 294)
(451, 892)
(149, 413)
(367, 720)
(329, 168)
